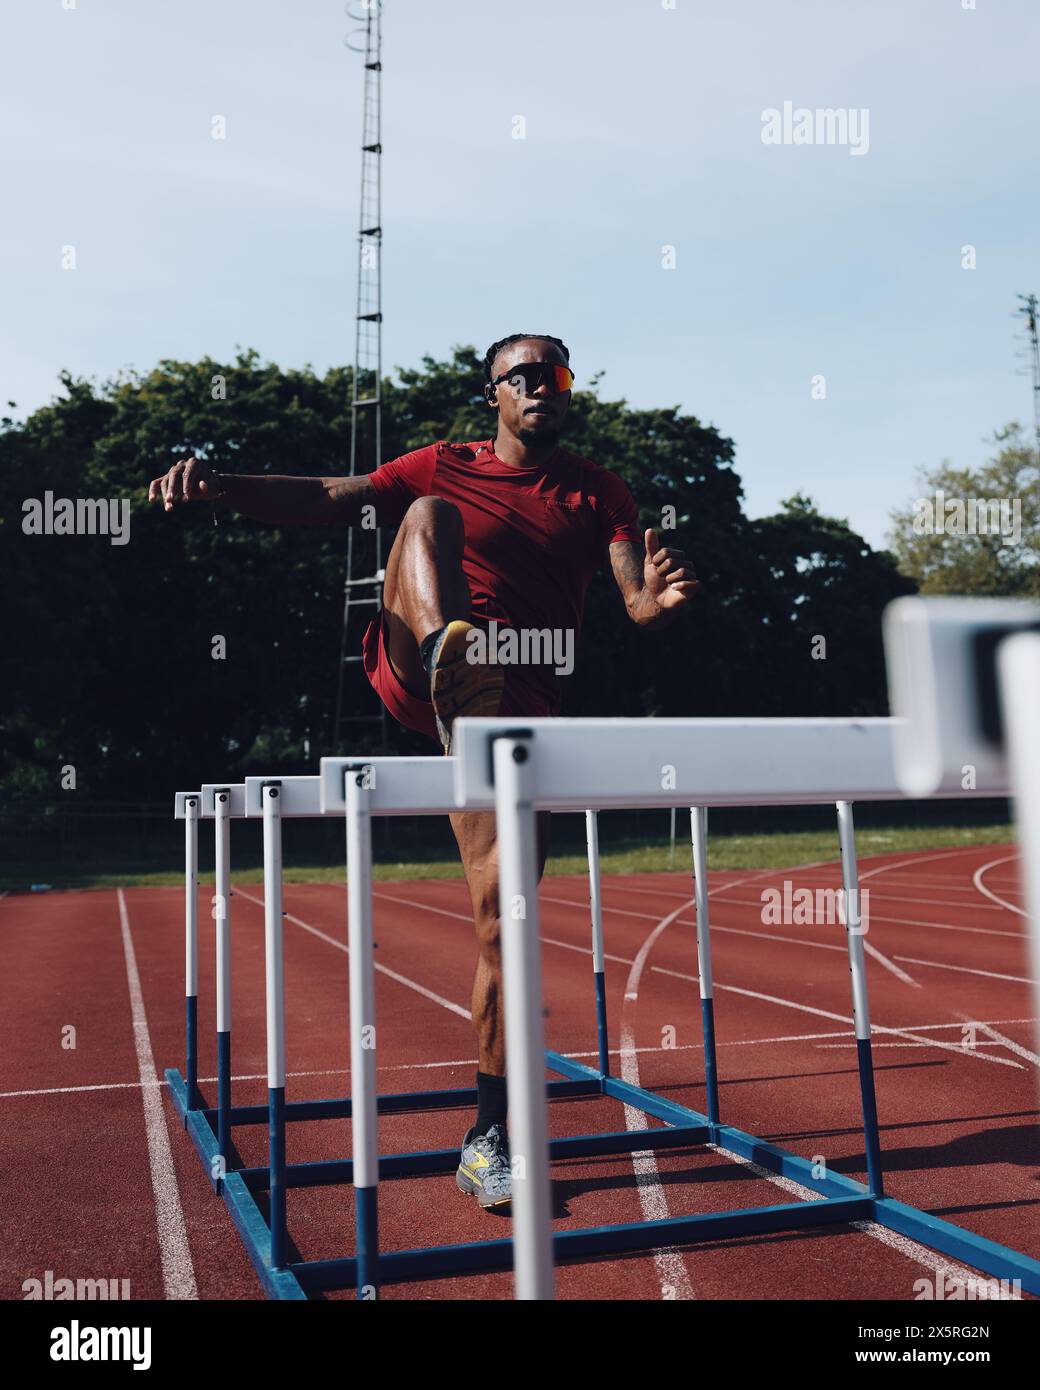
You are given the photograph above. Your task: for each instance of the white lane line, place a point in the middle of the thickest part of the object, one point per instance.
(928, 1027)
(1003, 1040)
(425, 907)
(919, 1254)
(988, 892)
(934, 901)
(71, 1090)
(841, 1018)
(911, 1249)
(987, 1026)
(582, 950)
(877, 1046)
(946, 926)
(381, 969)
(661, 970)
(670, 1265)
(864, 873)
(828, 881)
(177, 1268)
(923, 883)
(966, 970)
(871, 950)
(906, 921)
(902, 975)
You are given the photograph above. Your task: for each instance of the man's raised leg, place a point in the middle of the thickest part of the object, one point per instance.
(426, 611)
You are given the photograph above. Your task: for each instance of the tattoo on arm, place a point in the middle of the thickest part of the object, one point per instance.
(627, 564)
(626, 560)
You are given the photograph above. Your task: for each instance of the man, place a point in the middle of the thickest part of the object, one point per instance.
(495, 538)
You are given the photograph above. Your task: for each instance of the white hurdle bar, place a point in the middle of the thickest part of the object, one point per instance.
(186, 808)
(360, 788)
(222, 803)
(1019, 665)
(699, 846)
(415, 785)
(525, 1033)
(524, 766)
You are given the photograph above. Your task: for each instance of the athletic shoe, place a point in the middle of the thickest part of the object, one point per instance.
(484, 1170)
(459, 686)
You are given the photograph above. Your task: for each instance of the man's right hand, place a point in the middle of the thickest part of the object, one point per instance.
(189, 480)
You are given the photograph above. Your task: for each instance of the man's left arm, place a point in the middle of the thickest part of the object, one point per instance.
(655, 583)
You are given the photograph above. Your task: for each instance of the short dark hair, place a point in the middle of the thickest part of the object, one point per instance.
(496, 348)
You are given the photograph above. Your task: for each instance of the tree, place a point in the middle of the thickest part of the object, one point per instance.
(827, 590)
(931, 537)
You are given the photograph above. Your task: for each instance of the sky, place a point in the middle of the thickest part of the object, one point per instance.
(643, 130)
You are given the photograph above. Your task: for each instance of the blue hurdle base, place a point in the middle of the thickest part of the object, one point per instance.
(839, 1199)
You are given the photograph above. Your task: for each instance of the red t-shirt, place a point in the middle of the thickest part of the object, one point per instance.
(535, 536)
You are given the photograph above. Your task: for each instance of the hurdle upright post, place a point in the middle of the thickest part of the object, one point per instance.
(699, 844)
(191, 953)
(596, 911)
(525, 1041)
(364, 1117)
(222, 910)
(1018, 664)
(274, 972)
(854, 930)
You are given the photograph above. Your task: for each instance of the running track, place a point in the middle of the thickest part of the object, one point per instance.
(100, 1180)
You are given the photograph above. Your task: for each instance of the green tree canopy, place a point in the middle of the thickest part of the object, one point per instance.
(935, 550)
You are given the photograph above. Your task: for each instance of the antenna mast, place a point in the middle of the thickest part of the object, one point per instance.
(363, 588)
(1028, 312)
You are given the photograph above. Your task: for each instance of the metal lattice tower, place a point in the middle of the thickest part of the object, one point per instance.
(356, 703)
(1029, 312)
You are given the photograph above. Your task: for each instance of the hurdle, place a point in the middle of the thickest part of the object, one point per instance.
(799, 762)
(186, 808)
(221, 804)
(963, 676)
(400, 786)
(520, 769)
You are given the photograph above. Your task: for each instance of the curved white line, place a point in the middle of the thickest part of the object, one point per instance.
(901, 921)
(988, 892)
(842, 1018)
(671, 1267)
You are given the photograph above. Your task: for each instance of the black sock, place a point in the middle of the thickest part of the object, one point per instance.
(492, 1103)
(426, 647)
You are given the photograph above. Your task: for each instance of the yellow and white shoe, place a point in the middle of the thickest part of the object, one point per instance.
(484, 1170)
(458, 685)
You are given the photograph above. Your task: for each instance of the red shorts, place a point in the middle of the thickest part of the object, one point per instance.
(518, 698)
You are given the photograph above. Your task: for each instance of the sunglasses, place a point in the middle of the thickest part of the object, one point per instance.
(535, 374)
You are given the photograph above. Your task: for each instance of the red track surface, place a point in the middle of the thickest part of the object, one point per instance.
(89, 1193)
